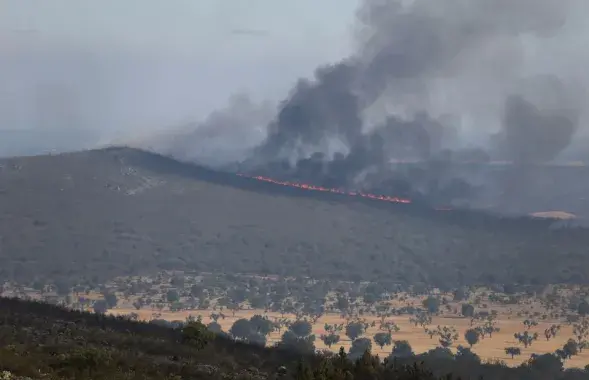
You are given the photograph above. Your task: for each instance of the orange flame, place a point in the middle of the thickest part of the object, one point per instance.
(304, 186)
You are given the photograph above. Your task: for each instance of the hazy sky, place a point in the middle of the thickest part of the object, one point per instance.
(197, 27)
(135, 65)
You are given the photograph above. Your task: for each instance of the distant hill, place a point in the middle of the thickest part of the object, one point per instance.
(102, 213)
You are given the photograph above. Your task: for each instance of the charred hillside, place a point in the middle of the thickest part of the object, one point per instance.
(103, 213)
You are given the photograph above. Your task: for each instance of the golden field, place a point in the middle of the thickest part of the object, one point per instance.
(487, 349)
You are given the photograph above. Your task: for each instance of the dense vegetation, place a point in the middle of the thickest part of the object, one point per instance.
(46, 342)
(98, 214)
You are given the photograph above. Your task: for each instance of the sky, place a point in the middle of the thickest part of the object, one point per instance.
(138, 65)
(131, 67)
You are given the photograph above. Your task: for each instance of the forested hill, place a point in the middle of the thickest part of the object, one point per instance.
(117, 211)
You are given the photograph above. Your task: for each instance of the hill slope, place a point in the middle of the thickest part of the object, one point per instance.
(120, 211)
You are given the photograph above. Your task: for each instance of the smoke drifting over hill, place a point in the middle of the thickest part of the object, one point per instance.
(433, 82)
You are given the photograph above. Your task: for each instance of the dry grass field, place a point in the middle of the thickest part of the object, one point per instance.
(487, 349)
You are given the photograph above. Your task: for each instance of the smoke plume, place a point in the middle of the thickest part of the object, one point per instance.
(432, 92)
(434, 83)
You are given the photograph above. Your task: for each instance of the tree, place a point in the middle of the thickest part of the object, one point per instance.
(513, 351)
(447, 335)
(62, 287)
(529, 323)
(257, 339)
(570, 349)
(330, 339)
(261, 324)
(472, 337)
(172, 295)
(441, 353)
(547, 363)
(402, 349)
(354, 330)
(369, 298)
(258, 301)
(100, 306)
(215, 327)
(583, 308)
(389, 326)
(467, 310)
(177, 281)
(490, 326)
(551, 332)
(581, 333)
(39, 286)
(431, 304)
(196, 334)
(342, 303)
(238, 295)
(465, 354)
(526, 338)
(138, 303)
(301, 328)
(460, 294)
(359, 347)
(422, 319)
(196, 290)
(241, 329)
(303, 371)
(382, 339)
(292, 341)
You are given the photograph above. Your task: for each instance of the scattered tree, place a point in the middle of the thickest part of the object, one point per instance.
(196, 334)
(432, 304)
(467, 310)
(513, 351)
(354, 330)
(472, 337)
(330, 339)
(402, 349)
(172, 295)
(382, 339)
(529, 323)
(526, 338)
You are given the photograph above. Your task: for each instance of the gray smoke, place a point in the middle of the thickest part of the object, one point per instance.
(436, 83)
(432, 91)
(226, 136)
(536, 132)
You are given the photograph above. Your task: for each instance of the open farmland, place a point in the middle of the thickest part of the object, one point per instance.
(405, 315)
(490, 349)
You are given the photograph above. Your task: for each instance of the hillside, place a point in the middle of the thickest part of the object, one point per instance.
(103, 213)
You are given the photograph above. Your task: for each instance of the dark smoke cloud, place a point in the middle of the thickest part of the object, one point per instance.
(532, 134)
(323, 131)
(433, 90)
